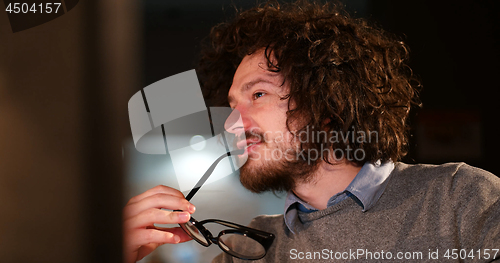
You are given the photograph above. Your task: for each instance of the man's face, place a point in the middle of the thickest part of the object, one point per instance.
(257, 94)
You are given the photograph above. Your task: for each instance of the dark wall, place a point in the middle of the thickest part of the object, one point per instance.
(455, 51)
(64, 88)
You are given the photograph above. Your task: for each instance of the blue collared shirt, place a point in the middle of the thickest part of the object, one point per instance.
(366, 188)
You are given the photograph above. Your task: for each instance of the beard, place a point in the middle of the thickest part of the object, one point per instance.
(278, 173)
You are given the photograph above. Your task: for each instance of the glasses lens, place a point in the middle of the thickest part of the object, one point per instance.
(241, 246)
(194, 233)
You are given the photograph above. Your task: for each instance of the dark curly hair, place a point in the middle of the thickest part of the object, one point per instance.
(345, 76)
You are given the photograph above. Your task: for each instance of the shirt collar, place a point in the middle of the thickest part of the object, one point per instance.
(366, 187)
(370, 183)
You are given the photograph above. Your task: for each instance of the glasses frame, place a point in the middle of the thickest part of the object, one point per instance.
(263, 238)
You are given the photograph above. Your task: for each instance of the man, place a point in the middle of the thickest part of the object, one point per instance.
(324, 100)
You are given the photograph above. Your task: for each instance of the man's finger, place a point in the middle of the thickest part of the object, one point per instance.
(141, 237)
(155, 216)
(177, 231)
(148, 248)
(159, 189)
(158, 201)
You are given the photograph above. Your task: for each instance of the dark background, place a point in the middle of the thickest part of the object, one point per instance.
(65, 84)
(454, 51)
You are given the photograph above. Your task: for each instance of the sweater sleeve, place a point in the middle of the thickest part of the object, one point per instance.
(477, 196)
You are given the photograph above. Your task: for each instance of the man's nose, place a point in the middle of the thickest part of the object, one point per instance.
(234, 123)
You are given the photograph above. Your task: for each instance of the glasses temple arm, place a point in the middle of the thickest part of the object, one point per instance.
(209, 172)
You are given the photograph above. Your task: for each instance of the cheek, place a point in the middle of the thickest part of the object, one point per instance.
(279, 113)
(279, 134)
(276, 123)
(271, 117)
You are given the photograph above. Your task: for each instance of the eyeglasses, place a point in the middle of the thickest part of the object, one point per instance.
(239, 241)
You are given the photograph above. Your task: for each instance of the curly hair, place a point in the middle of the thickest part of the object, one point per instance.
(345, 75)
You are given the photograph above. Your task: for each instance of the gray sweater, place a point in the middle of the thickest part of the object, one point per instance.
(428, 213)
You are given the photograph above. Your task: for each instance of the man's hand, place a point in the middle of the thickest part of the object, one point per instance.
(140, 214)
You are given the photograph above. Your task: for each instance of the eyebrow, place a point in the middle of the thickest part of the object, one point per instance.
(249, 85)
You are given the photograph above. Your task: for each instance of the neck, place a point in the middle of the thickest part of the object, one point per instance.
(327, 181)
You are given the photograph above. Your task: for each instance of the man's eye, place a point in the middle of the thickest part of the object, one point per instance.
(257, 95)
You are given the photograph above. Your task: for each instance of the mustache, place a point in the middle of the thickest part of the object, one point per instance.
(253, 135)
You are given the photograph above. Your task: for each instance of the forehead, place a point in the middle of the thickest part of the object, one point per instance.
(253, 63)
(253, 68)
